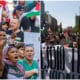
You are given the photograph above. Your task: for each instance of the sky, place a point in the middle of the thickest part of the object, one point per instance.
(63, 11)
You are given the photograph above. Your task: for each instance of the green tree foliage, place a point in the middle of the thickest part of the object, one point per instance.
(76, 28)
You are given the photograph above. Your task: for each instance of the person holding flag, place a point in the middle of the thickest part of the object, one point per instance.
(5, 14)
(31, 19)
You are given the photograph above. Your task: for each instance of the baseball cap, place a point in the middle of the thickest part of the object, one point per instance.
(19, 8)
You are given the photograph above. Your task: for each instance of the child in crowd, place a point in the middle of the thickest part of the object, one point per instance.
(21, 48)
(11, 69)
(30, 66)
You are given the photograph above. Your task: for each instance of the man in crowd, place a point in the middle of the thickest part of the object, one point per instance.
(15, 31)
(18, 11)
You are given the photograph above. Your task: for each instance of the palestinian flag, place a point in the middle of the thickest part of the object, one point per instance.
(2, 6)
(35, 11)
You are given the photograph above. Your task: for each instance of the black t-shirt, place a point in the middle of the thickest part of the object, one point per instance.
(28, 24)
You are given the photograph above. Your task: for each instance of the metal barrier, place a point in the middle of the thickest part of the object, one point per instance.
(55, 63)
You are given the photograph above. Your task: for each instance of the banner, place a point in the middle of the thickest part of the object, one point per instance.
(61, 62)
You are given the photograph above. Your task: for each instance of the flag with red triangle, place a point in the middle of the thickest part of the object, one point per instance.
(35, 11)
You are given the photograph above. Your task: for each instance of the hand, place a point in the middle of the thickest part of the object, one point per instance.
(31, 72)
(35, 71)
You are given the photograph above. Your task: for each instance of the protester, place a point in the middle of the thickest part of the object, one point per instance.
(66, 39)
(15, 31)
(29, 65)
(11, 69)
(22, 3)
(21, 49)
(48, 29)
(29, 25)
(2, 44)
(5, 17)
(18, 11)
(4, 26)
(30, 17)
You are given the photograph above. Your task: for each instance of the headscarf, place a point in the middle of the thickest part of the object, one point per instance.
(5, 61)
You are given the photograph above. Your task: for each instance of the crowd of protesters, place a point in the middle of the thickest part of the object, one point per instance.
(57, 48)
(67, 38)
(16, 58)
